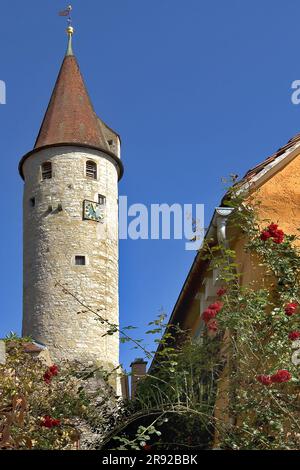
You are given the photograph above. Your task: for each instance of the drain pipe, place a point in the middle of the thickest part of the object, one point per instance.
(222, 214)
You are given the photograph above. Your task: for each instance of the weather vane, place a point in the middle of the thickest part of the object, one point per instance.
(67, 12)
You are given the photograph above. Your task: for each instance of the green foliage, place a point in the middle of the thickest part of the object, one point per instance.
(26, 398)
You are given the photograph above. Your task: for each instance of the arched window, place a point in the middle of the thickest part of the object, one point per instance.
(47, 171)
(91, 170)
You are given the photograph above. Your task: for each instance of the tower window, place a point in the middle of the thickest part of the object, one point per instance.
(80, 261)
(32, 202)
(101, 200)
(91, 170)
(47, 171)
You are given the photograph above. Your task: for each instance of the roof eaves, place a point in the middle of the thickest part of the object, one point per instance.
(267, 170)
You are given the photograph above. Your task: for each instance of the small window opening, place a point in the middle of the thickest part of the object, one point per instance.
(80, 261)
(101, 200)
(32, 202)
(47, 171)
(91, 170)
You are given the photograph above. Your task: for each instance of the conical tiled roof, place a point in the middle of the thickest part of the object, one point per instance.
(70, 116)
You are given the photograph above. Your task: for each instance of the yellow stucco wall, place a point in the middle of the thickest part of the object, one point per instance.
(279, 198)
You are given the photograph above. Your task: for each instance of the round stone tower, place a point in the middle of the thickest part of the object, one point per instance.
(71, 227)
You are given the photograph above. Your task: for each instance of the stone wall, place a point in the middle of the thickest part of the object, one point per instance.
(52, 239)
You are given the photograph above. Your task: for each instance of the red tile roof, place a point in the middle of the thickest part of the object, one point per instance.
(254, 171)
(70, 117)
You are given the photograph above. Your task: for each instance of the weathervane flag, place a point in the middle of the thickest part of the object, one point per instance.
(66, 12)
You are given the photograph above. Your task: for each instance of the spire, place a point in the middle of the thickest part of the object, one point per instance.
(70, 32)
(70, 116)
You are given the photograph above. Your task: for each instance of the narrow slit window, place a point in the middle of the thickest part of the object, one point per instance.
(91, 170)
(80, 261)
(47, 171)
(101, 200)
(32, 202)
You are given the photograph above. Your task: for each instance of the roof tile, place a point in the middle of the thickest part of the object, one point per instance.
(70, 117)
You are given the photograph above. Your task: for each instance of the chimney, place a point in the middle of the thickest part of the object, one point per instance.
(138, 371)
(125, 386)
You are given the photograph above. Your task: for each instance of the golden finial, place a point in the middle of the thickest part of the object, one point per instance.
(70, 30)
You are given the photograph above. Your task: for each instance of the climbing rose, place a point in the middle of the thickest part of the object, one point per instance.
(48, 422)
(212, 325)
(53, 369)
(264, 379)
(281, 376)
(265, 235)
(209, 314)
(290, 308)
(221, 292)
(47, 377)
(273, 229)
(278, 237)
(274, 232)
(50, 373)
(294, 335)
(216, 306)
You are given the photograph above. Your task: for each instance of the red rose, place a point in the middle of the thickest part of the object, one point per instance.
(216, 306)
(212, 325)
(293, 335)
(50, 373)
(274, 232)
(48, 422)
(264, 379)
(47, 377)
(265, 235)
(291, 308)
(278, 237)
(147, 447)
(281, 376)
(55, 422)
(53, 369)
(209, 314)
(221, 292)
(273, 229)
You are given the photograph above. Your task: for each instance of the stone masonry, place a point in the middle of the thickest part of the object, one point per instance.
(54, 233)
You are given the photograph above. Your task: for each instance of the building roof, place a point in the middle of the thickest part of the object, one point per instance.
(272, 158)
(70, 118)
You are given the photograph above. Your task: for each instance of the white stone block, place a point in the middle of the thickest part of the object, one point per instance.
(2, 352)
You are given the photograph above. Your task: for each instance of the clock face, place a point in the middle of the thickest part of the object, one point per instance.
(93, 211)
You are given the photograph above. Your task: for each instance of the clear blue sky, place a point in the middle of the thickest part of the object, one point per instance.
(196, 89)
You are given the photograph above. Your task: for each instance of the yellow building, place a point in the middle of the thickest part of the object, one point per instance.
(275, 183)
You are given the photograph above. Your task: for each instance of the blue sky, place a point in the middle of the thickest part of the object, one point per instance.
(197, 90)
